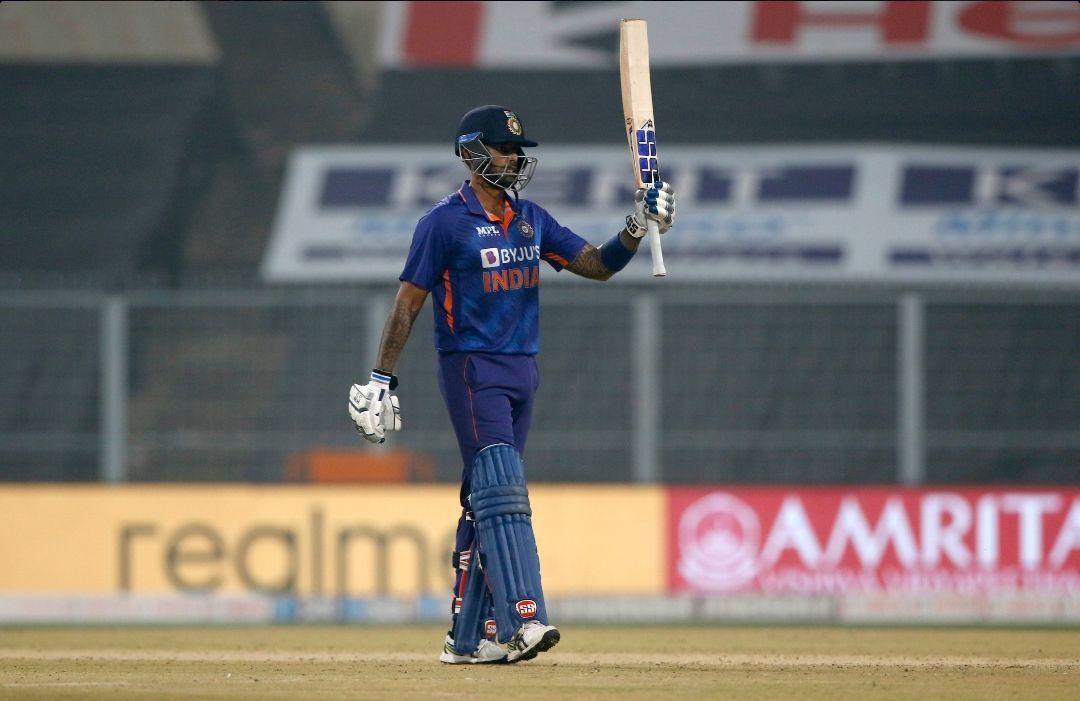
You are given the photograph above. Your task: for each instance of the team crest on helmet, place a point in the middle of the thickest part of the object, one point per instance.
(527, 230)
(513, 123)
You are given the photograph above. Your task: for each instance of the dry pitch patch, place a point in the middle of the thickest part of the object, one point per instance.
(591, 662)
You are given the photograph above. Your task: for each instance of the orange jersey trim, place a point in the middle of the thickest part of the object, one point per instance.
(557, 258)
(506, 221)
(448, 300)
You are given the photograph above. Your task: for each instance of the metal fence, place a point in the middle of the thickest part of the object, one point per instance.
(677, 384)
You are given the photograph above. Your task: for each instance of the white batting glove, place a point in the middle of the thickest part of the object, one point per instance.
(656, 203)
(373, 409)
(391, 414)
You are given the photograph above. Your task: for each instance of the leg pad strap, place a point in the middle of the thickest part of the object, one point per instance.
(474, 600)
(501, 501)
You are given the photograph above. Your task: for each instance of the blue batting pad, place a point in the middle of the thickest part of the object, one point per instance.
(500, 505)
(475, 608)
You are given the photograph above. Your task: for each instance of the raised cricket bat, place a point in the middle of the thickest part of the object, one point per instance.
(638, 113)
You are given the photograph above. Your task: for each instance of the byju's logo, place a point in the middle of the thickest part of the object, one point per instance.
(493, 257)
(990, 186)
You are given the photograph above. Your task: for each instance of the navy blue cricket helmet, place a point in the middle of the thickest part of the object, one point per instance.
(495, 126)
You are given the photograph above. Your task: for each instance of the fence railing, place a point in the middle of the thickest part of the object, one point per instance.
(639, 383)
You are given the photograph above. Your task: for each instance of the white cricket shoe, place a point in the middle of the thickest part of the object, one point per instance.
(486, 653)
(531, 639)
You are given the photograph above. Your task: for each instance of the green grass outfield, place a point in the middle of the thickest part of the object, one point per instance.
(658, 663)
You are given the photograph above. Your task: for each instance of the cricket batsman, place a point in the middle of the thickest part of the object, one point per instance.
(477, 252)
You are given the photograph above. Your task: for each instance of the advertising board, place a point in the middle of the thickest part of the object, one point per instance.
(832, 540)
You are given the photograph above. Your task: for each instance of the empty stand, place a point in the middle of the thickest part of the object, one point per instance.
(94, 159)
(1030, 101)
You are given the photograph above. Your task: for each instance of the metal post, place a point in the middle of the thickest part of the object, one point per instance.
(114, 389)
(648, 401)
(911, 428)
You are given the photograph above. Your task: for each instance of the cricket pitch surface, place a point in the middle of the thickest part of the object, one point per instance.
(400, 663)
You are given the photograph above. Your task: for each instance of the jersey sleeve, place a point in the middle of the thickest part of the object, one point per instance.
(558, 245)
(429, 253)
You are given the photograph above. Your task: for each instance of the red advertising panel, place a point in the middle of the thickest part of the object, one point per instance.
(487, 35)
(835, 540)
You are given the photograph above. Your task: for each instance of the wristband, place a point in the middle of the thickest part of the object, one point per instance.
(634, 229)
(614, 255)
(384, 377)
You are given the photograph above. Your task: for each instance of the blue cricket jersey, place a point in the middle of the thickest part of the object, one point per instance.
(484, 273)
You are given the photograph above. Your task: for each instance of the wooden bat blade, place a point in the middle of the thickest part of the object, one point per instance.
(640, 126)
(634, 74)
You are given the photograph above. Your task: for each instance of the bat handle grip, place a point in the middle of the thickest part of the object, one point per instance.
(658, 269)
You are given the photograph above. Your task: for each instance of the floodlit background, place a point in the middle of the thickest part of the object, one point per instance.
(869, 337)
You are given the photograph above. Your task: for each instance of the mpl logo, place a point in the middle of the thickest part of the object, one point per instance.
(483, 231)
(526, 608)
(490, 258)
(718, 537)
(990, 185)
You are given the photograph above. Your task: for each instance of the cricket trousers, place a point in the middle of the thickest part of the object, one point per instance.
(490, 400)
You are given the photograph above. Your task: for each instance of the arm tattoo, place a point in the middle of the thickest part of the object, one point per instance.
(588, 264)
(395, 333)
